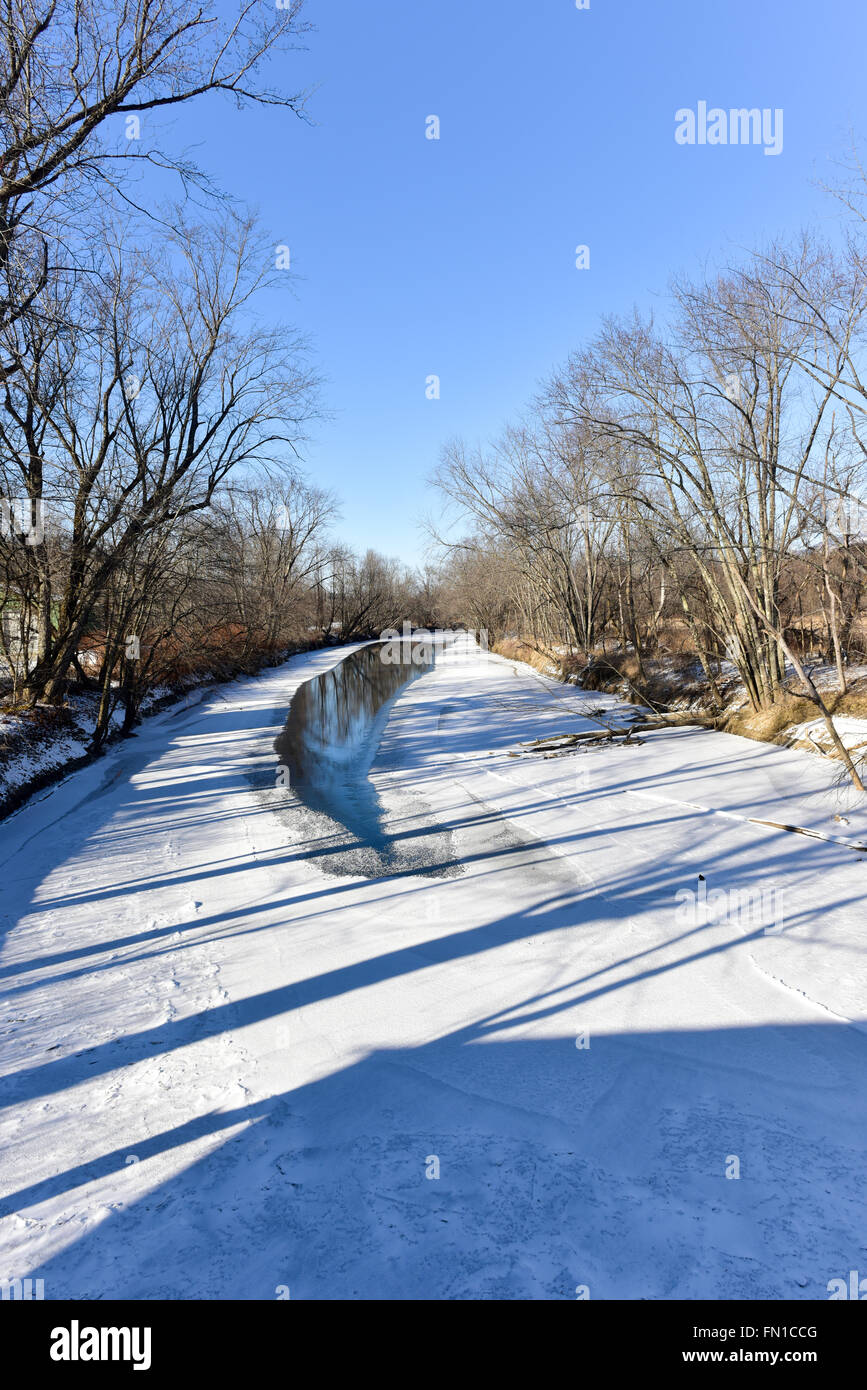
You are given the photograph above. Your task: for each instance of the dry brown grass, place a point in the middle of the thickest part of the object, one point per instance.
(854, 704)
(604, 672)
(514, 649)
(771, 725)
(768, 725)
(674, 636)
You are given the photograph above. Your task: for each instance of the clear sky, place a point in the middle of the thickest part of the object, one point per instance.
(456, 257)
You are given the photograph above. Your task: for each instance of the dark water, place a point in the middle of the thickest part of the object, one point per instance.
(326, 744)
(326, 750)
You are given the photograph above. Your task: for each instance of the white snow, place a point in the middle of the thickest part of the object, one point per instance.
(814, 734)
(228, 1073)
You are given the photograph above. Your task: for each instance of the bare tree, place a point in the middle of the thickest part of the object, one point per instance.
(132, 421)
(69, 67)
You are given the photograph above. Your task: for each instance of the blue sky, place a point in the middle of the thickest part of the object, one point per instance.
(457, 257)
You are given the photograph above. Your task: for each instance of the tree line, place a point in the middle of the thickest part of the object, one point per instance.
(699, 476)
(155, 519)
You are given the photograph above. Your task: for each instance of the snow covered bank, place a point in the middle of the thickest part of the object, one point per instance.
(677, 683)
(42, 746)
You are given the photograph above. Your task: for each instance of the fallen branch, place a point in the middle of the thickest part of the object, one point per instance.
(557, 743)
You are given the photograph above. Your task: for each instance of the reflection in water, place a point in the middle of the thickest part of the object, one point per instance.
(330, 717)
(327, 747)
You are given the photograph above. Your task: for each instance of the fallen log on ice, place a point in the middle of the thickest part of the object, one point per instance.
(608, 733)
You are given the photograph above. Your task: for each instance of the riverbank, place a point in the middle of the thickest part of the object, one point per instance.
(40, 747)
(677, 684)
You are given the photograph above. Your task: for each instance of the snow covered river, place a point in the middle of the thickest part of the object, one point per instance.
(503, 1051)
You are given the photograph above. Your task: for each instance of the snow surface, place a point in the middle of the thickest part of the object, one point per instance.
(813, 733)
(227, 1073)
